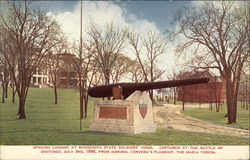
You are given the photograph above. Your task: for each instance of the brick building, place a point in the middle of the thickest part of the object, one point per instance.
(212, 92)
(66, 74)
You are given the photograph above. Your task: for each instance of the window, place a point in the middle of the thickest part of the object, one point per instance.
(39, 80)
(34, 80)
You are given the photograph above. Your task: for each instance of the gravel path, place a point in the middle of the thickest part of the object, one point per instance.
(169, 117)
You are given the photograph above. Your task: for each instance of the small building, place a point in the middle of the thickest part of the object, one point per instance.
(212, 92)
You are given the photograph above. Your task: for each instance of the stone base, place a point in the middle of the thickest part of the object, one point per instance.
(133, 115)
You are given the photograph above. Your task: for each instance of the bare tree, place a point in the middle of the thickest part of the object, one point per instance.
(136, 72)
(107, 43)
(244, 91)
(26, 33)
(183, 90)
(4, 79)
(220, 35)
(4, 73)
(97, 78)
(183, 95)
(215, 89)
(120, 68)
(86, 71)
(53, 62)
(174, 76)
(13, 90)
(151, 46)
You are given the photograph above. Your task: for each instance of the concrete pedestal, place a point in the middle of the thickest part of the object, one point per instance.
(133, 115)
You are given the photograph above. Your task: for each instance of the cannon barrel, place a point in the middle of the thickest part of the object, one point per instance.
(129, 88)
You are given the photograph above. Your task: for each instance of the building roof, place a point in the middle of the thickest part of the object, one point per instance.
(202, 74)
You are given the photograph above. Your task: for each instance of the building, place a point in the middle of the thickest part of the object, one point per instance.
(212, 92)
(66, 73)
(40, 78)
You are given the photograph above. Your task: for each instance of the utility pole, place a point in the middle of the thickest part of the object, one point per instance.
(80, 77)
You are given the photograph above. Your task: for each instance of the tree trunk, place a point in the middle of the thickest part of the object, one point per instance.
(81, 108)
(234, 111)
(246, 99)
(3, 93)
(21, 107)
(235, 100)
(13, 93)
(243, 103)
(175, 96)
(107, 80)
(81, 102)
(235, 97)
(151, 95)
(229, 100)
(86, 105)
(217, 107)
(183, 105)
(6, 89)
(55, 92)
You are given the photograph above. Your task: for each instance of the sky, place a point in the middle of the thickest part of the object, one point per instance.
(158, 12)
(140, 16)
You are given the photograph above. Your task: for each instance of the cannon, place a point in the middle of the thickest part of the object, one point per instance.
(129, 88)
(131, 110)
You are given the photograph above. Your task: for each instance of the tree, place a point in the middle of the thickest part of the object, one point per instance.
(183, 90)
(97, 78)
(4, 75)
(13, 90)
(2, 68)
(220, 36)
(136, 72)
(183, 95)
(27, 35)
(120, 68)
(244, 91)
(86, 68)
(174, 76)
(107, 43)
(215, 91)
(151, 46)
(53, 61)
(5, 79)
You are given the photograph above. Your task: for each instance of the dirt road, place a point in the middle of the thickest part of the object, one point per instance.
(169, 117)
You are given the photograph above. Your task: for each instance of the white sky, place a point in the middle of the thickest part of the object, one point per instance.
(103, 12)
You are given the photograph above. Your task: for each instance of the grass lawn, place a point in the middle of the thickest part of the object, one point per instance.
(243, 116)
(48, 124)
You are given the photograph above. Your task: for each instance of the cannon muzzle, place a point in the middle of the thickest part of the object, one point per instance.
(129, 88)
